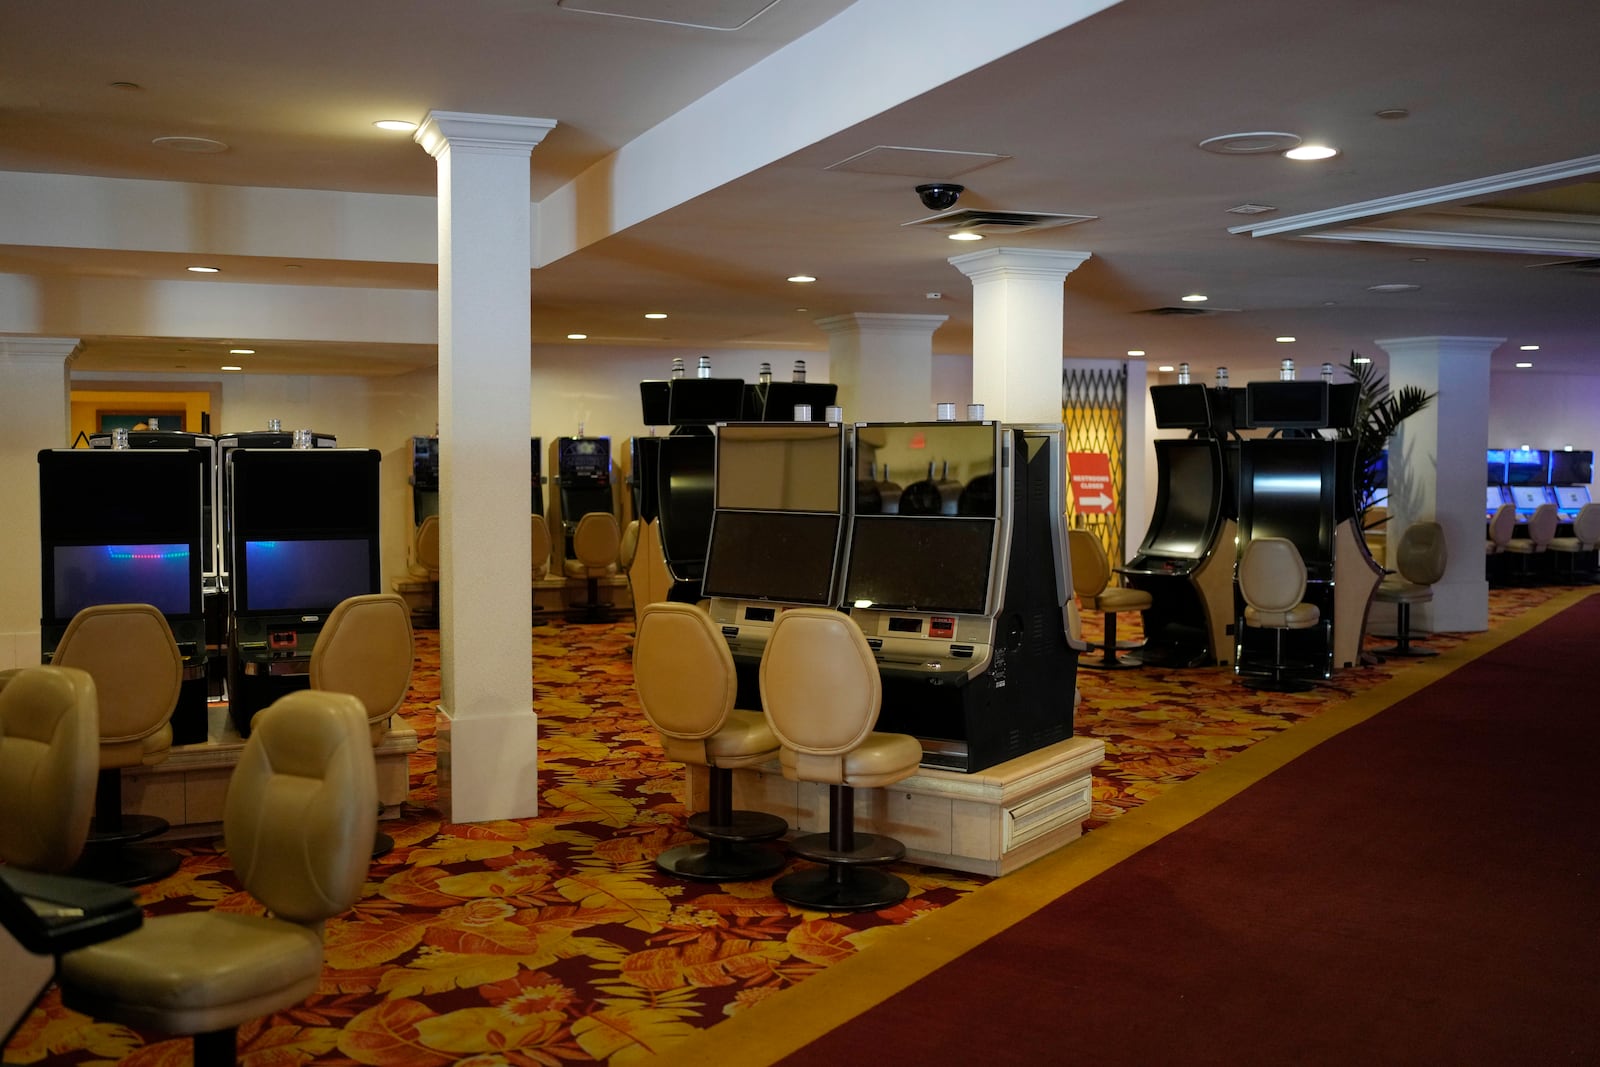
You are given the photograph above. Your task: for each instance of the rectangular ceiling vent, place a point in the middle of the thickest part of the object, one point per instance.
(1589, 266)
(978, 220)
(724, 15)
(1194, 311)
(929, 164)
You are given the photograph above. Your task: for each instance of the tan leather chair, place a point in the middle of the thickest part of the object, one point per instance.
(49, 758)
(129, 651)
(1420, 558)
(1541, 531)
(540, 531)
(1584, 541)
(1502, 524)
(685, 678)
(367, 649)
(298, 820)
(595, 543)
(821, 691)
(1272, 581)
(425, 563)
(1091, 582)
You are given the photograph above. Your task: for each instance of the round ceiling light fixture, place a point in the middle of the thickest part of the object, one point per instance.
(397, 125)
(1258, 143)
(204, 270)
(194, 146)
(1393, 287)
(1312, 151)
(801, 279)
(965, 235)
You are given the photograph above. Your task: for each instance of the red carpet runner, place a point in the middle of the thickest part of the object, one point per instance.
(1423, 888)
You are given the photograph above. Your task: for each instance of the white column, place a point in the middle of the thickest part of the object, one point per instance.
(1436, 467)
(487, 731)
(1139, 456)
(1016, 330)
(883, 365)
(35, 404)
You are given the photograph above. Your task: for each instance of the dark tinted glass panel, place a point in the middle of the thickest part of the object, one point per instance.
(304, 577)
(767, 555)
(1287, 405)
(1527, 467)
(303, 491)
(1181, 407)
(1497, 466)
(121, 574)
(779, 468)
(140, 496)
(685, 483)
(926, 468)
(1571, 468)
(704, 401)
(1291, 495)
(920, 564)
(1185, 512)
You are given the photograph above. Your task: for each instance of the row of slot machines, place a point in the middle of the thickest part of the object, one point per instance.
(960, 596)
(1529, 477)
(244, 542)
(1217, 491)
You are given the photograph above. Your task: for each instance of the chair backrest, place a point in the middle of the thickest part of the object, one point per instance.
(1542, 524)
(1091, 570)
(1272, 575)
(684, 675)
(366, 649)
(596, 540)
(1586, 527)
(425, 550)
(1421, 557)
(628, 547)
(302, 806)
(540, 535)
(819, 682)
(1503, 525)
(49, 757)
(129, 651)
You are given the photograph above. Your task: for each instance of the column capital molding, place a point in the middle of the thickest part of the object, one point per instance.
(58, 351)
(500, 133)
(1396, 346)
(1024, 262)
(881, 322)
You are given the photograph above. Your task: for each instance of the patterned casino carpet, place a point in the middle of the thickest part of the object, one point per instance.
(553, 939)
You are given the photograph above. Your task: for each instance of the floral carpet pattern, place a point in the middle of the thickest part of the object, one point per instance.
(554, 940)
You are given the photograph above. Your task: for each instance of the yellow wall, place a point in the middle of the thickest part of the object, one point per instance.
(89, 405)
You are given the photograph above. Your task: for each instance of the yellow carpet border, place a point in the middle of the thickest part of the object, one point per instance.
(767, 1032)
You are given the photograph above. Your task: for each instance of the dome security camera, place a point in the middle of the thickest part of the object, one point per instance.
(940, 195)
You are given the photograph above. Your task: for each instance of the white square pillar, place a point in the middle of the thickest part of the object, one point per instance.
(883, 365)
(486, 730)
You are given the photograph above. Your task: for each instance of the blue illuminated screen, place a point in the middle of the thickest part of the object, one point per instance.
(86, 575)
(309, 576)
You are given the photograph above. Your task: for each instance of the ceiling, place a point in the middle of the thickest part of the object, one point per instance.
(1102, 119)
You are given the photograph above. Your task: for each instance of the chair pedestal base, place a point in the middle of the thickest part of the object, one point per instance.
(126, 864)
(840, 888)
(121, 828)
(720, 861)
(1402, 644)
(862, 849)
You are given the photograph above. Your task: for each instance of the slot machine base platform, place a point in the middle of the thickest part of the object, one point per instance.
(988, 822)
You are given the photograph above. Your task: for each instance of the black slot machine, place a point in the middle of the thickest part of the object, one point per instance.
(581, 474)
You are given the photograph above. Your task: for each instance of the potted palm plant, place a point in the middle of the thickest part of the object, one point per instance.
(1379, 412)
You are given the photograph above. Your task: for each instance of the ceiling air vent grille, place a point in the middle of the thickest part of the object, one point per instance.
(1175, 311)
(977, 220)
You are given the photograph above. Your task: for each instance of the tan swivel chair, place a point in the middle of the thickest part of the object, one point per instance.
(685, 678)
(49, 758)
(821, 691)
(129, 651)
(1584, 541)
(627, 552)
(425, 561)
(595, 543)
(540, 531)
(298, 820)
(1502, 524)
(1091, 582)
(366, 649)
(1272, 581)
(1420, 558)
(1541, 531)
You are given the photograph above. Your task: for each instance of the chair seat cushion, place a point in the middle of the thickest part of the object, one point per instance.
(576, 569)
(1569, 544)
(193, 973)
(1525, 545)
(1400, 591)
(881, 759)
(745, 739)
(1118, 599)
(1299, 617)
(138, 752)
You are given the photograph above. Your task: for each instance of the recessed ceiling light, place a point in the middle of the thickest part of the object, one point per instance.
(399, 125)
(1166, 368)
(1311, 151)
(1524, 365)
(577, 337)
(1284, 340)
(204, 270)
(801, 279)
(1195, 298)
(1393, 287)
(1135, 351)
(1360, 359)
(241, 351)
(1250, 144)
(965, 235)
(196, 146)
(233, 368)
(655, 314)
(1419, 259)
(1529, 348)
(1392, 113)
(127, 87)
